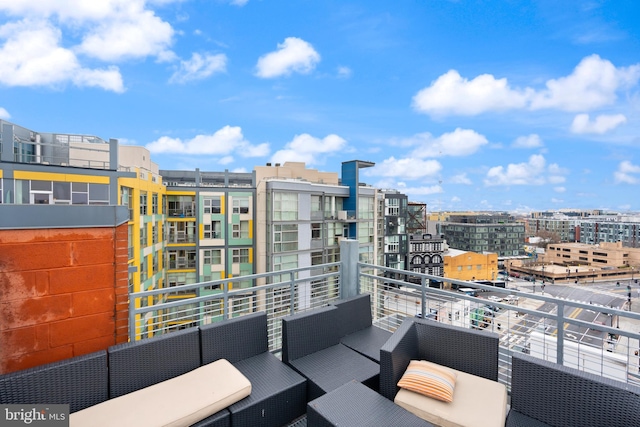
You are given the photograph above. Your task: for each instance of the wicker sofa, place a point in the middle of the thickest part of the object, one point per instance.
(86, 382)
(478, 398)
(356, 328)
(311, 345)
(548, 394)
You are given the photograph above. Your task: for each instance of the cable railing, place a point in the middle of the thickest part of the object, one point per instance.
(590, 336)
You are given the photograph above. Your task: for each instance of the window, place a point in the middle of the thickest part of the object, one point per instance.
(212, 257)
(143, 269)
(154, 234)
(98, 194)
(155, 262)
(316, 258)
(285, 237)
(285, 206)
(143, 203)
(212, 205)
(240, 205)
(154, 203)
(241, 231)
(61, 193)
(213, 230)
(143, 235)
(316, 231)
(240, 256)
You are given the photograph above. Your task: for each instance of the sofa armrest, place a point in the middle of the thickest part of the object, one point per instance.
(395, 355)
(559, 395)
(81, 382)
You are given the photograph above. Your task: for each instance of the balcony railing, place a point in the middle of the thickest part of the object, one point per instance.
(587, 335)
(181, 237)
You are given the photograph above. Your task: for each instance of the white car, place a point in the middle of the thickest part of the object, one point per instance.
(495, 298)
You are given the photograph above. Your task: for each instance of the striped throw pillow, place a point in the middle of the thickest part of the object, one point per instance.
(429, 379)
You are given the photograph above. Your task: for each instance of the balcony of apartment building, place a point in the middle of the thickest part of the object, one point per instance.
(181, 235)
(603, 345)
(181, 206)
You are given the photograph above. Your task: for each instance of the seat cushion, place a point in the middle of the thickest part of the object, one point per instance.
(429, 379)
(476, 401)
(180, 401)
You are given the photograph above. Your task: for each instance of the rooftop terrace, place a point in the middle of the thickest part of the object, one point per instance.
(596, 335)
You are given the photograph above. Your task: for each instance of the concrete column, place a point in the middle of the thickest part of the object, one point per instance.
(349, 256)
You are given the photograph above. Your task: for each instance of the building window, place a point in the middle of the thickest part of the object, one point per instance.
(241, 231)
(213, 230)
(240, 205)
(143, 269)
(154, 203)
(143, 235)
(143, 203)
(285, 237)
(240, 256)
(316, 258)
(212, 205)
(285, 206)
(212, 257)
(154, 234)
(316, 231)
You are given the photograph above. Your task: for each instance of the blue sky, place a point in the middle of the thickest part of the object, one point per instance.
(463, 105)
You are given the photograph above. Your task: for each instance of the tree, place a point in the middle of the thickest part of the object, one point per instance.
(547, 237)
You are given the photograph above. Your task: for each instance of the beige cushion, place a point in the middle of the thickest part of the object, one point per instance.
(477, 401)
(430, 379)
(180, 401)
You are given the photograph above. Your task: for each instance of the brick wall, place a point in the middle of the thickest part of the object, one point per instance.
(63, 293)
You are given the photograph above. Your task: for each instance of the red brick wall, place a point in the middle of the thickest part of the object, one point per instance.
(63, 293)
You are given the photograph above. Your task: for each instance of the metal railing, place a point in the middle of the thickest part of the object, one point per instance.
(279, 294)
(541, 325)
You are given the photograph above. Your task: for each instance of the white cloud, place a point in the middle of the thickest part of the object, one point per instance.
(310, 150)
(294, 55)
(226, 160)
(594, 83)
(554, 200)
(460, 142)
(529, 141)
(407, 168)
(460, 179)
(239, 2)
(110, 30)
(625, 172)
(452, 94)
(133, 34)
(223, 142)
(602, 123)
(414, 191)
(559, 189)
(199, 67)
(4, 114)
(530, 173)
(32, 57)
(344, 72)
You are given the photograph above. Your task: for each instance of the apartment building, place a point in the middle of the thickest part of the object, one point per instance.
(498, 233)
(610, 228)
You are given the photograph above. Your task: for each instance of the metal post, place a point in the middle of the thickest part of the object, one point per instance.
(292, 293)
(423, 290)
(349, 268)
(225, 300)
(560, 325)
(132, 319)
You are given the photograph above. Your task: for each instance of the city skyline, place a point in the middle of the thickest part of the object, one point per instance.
(482, 105)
